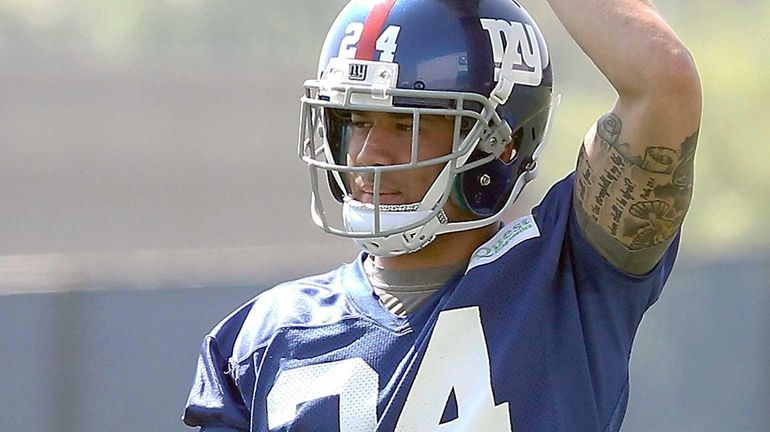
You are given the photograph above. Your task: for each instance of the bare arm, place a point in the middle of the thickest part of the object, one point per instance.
(634, 173)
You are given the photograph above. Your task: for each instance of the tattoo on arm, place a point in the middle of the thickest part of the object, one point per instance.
(638, 201)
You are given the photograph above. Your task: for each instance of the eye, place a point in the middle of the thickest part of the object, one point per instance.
(360, 124)
(408, 126)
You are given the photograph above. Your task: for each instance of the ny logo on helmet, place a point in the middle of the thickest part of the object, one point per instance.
(357, 72)
(516, 51)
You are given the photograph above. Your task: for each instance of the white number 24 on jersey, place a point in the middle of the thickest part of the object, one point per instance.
(446, 366)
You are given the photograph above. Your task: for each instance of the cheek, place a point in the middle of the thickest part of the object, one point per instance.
(430, 148)
(420, 180)
(435, 144)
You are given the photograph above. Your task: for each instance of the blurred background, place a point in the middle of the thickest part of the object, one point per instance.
(149, 185)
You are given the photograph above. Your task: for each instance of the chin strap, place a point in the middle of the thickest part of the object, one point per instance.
(359, 218)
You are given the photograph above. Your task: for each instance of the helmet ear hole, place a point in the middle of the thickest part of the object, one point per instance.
(512, 149)
(518, 136)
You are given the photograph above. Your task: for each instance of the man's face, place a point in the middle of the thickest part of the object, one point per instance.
(380, 139)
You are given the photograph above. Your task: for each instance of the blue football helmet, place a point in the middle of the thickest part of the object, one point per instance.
(483, 64)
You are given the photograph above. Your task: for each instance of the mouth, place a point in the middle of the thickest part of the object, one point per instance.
(390, 193)
(386, 197)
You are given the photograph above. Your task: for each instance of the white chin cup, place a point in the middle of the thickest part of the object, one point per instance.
(359, 219)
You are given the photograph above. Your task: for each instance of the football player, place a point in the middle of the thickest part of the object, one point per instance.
(423, 125)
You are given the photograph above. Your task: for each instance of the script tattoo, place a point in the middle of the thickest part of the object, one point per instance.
(640, 200)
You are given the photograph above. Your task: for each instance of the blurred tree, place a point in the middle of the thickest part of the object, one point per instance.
(728, 40)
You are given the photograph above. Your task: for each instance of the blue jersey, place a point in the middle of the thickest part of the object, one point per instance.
(534, 336)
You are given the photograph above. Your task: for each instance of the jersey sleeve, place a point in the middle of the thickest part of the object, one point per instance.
(214, 403)
(596, 270)
(611, 302)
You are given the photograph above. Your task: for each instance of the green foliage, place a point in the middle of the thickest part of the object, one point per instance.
(728, 40)
(729, 44)
(731, 208)
(144, 29)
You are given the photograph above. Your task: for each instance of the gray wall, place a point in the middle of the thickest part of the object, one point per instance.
(96, 355)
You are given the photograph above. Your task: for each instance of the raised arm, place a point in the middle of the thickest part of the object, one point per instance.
(634, 172)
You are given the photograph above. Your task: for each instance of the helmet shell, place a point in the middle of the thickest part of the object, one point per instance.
(456, 46)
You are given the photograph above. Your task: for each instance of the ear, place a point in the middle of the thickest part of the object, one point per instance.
(512, 149)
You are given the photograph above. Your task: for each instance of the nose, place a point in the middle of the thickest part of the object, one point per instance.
(379, 146)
